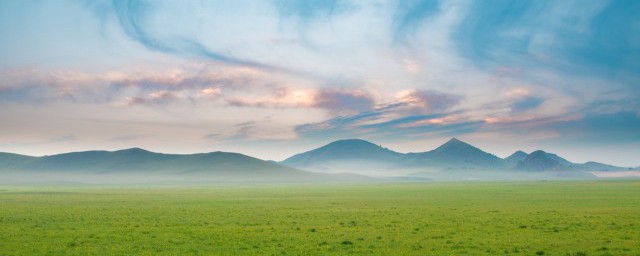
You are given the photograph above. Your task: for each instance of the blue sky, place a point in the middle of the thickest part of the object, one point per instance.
(272, 78)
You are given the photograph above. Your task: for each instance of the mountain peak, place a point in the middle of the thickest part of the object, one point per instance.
(543, 154)
(542, 161)
(135, 150)
(351, 142)
(516, 157)
(458, 154)
(538, 152)
(518, 154)
(344, 150)
(539, 161)
(454, 140)
(349, 146)
(454, 144)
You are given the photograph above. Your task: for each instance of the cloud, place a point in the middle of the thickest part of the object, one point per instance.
(187, 78)
(602, 127)
(411, 112)
(210, 92)
(212, 136)
(344, 101)
(139, 86)
(526, 103)
(282, 97)
(136, 19)
(409, 15)
(428, 101)
(262, 130)
(334, 101)
(155, 98)
(375, 124)
(311, 10)
(30, 85)
(567, 37)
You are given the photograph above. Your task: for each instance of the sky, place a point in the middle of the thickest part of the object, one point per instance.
(271, 78)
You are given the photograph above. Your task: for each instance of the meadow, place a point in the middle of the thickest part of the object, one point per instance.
(466, 218)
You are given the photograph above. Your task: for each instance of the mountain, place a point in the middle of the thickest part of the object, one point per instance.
(352, 155)
(456, 154)
(595, 166)
(145, 165)
(516, 157)
(350, 159)
(454, 159)
(366, 158)
(9, 160)
(543, 161)
(344, 149)
(100, 161)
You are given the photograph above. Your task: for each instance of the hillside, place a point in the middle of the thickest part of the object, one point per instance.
(543, 161)
(456, 154)
(353, 155)
(10, 160)
(516, 157)
(144, 165)
(454, 159)
(352, 159)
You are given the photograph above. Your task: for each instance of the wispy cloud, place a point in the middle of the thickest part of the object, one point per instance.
(428, 101)
(409, 15)
(344, 101)
(527, 103)
(313, 10)
(135, 16)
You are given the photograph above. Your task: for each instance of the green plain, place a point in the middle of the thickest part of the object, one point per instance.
(468, 218)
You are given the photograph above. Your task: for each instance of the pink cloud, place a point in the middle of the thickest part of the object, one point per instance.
(428, 101)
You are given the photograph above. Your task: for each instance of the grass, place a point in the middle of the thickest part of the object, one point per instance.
(511, 218)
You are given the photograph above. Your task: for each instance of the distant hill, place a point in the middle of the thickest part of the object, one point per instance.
(595, 166)
(353, 155)
(350, 159)
(456, 154)
(8, 160)
(455, 158)
(516, 157)
(363, 157)
(543, 161)
(142, 163)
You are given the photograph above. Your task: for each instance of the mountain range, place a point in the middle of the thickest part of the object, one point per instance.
(139, 165)
(359, 156)
(454, 159)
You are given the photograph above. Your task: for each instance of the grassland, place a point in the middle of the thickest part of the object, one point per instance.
(511, 218)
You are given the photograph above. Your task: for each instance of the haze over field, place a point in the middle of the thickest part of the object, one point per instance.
(271, 79)
(352, 160)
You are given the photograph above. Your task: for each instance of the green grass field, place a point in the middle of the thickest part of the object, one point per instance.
(510, 218)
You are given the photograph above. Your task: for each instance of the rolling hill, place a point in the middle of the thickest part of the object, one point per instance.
(353, 155)
(9, 160)
(456, 154)
(543, 161)
(142, 165)
(516, 157)
(339, 160)
(140, 160)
